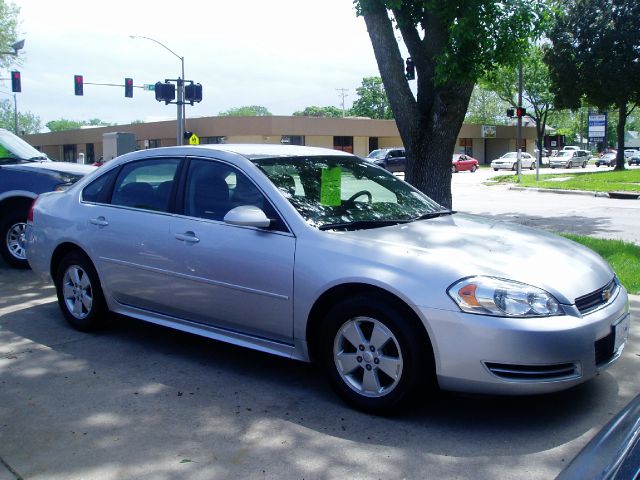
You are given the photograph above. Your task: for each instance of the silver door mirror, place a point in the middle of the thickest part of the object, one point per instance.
(247, 216)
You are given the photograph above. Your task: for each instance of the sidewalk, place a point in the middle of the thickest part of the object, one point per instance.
(618, 195)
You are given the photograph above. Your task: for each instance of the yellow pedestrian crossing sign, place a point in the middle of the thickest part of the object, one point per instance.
(194, 139)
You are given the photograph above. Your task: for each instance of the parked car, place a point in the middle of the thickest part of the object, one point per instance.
(614, 453)
(635, 160)
(24, 173)
(607, 160)
(571, 147)
(570, 159)
(392, 159)
(317, 255)
(461, 162)
(509, 161)
(631, 152)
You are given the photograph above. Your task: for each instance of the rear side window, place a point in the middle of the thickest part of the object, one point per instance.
(99, 190)
(146, 184)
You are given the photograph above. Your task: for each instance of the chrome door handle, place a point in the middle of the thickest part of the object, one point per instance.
(187, 237)
(100, 221)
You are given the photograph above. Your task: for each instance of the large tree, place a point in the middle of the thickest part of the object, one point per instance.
(8, 31)
(452, 44)
(486, 108)
(537, 96)
(596, 56)
(372, 100)
(64, 124)
(314, 111)
(27, 121)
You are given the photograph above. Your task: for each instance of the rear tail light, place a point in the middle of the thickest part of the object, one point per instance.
(30, 214)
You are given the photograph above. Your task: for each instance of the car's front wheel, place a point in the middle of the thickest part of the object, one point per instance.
(12, 232)
(570, 165)
(79, 293)
(584, 164)
(473, 168)
(533, 166)
(372, 356)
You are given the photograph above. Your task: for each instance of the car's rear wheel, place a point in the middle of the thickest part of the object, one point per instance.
(79, 293)
(473, 168)
(13, 248)
(372, 356)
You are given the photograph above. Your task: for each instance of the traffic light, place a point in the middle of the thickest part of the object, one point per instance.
(410, 69)
(15, 82)
(193, 92)
(165, 92)
(511, 112)
(78, 84)
(521, 112)
(128, 87)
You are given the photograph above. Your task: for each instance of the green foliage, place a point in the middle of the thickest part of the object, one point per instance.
(27, 121)
(596, 53)
(64, 124)
(372, 100)
(480, 34)
(486, 108)
(604, 181)
(246, 111)
(314, 111)
(8, 31)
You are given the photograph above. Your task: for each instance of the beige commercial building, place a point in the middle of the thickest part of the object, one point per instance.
(356, 135)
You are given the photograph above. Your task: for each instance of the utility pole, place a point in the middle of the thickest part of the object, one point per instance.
(343, 94)
(519, 134)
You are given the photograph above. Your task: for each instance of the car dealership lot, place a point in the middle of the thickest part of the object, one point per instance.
(140, 401)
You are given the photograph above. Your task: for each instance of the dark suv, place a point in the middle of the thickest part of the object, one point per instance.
(393, 159)
(24, 174)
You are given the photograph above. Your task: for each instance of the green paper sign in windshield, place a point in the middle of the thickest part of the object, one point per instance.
(330, 186)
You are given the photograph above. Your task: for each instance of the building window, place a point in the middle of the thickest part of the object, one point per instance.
(292, 139)
(154, 143)
(373, 144)
(466, 146)
(69, 153)
(343, 143)
(91, 154)
(210, 140)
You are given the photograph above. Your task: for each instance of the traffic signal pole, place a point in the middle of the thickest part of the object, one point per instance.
(519, 134)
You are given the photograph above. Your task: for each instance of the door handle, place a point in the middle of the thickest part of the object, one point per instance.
(187, 237)
(100, 221)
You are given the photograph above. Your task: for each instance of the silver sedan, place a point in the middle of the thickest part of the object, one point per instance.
(317, 255)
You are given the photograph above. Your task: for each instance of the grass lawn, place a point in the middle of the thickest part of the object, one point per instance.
(623, 257)
(609, 181)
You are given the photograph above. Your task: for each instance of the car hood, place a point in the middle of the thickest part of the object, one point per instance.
(460, 245)
(64, 167)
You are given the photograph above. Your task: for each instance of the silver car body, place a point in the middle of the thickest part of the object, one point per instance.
(258, 288)
(510, 159)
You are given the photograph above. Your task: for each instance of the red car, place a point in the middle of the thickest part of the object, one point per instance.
(463, 162)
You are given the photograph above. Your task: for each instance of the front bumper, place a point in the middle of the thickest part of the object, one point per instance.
(494, 355)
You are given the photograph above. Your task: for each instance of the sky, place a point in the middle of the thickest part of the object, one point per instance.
(283, 54)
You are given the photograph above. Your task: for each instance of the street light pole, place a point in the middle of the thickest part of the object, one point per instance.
(181, 114)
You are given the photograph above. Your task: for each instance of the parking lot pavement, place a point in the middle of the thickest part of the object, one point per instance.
(141, 401)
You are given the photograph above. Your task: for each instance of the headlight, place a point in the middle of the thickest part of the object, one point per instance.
(494, 296)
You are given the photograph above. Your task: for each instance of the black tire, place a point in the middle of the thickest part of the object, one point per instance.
(495, 169)
(400, 349)
(12, 245)
(533, 166)
(597, 164)
(570, 165)
(79, 293)
(514, 167)
(473, 168)
(584, 164)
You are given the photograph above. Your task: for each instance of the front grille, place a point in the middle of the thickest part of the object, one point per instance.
(594, 300)
(605, 349)
(533, 372)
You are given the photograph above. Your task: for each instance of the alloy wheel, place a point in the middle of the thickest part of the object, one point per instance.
(16, 240)
(77, 292)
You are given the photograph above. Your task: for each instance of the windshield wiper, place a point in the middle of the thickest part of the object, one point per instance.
(360, 224)
(38, 157)
(429, 215)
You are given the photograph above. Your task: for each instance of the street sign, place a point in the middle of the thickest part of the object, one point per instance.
(597, 127)
(149, 87)
(194, 140)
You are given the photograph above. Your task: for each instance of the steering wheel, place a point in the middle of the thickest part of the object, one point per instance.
(353, 197)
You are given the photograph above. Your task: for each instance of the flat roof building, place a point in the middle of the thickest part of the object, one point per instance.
(355, 135)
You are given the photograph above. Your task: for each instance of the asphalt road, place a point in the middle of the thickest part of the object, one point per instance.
(144, 402)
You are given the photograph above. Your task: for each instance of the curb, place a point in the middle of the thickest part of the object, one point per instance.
(618, 195)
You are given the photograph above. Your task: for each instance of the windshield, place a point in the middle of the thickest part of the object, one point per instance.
(16, 150)
(376, 154)
(346, 192)
(510, 155)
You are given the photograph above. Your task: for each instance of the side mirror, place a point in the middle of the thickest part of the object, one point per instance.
(247, 216)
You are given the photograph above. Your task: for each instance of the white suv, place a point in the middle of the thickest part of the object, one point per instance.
(569, 158)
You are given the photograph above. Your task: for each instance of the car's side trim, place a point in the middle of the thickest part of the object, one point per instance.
(275, 347)
(195, 278)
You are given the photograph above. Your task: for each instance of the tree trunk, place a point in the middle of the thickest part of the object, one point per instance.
(622, 121)
(428, 126)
